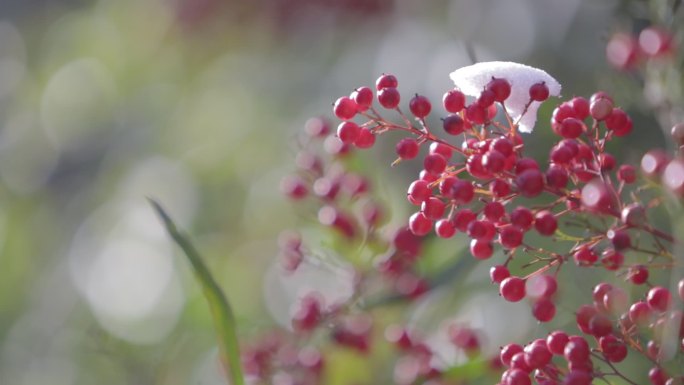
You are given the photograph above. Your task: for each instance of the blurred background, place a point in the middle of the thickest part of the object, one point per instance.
(197, 103)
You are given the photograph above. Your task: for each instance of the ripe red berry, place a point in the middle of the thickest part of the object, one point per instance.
(626, 173)
(556, 342)
(441, 149)
(419, 191)
(511, 236)
(462, 192)
(539, 92)
(522, 217)
(530, 183)
(419, 224)
(462, 219)
(619, 238)
(316, 127)
(453, 125)
(581, 107)
(407, 148)
(600, 106)
(365, 139)
(434, 164)
(508, 351)
(680, 289)
(544, 310)
(622, 51)
(420, 106)
(512, 289)
(545, 223)
(659, 299)
(444, 228)
(571, 128)
(363, 96)
(481, 249)
(640, 313)
(348, 132)
(386, 80)
(494, 211)
(557, 177)
(499, 188)
(654, 162)
(454, 101)
(389, 97)
(612, 260)
(584, 256)
(498, 273)
(345, 108)
(619, 122)
(501, 89)
(486, 98)
(433, 208)
(476, 114)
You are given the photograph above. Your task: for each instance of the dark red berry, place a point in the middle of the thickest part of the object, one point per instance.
(501, 89)
(420, 106)
(512, 289)
(539, 92)
(453, 125)
(545, 223)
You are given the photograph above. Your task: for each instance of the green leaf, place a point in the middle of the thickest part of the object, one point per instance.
(475, 368)
(222, 314)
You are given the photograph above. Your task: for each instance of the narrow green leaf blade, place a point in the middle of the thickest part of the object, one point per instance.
(222, 313)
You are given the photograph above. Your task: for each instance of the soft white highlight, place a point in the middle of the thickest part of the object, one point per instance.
(471, 80)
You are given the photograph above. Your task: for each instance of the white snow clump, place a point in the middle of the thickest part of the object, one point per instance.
(471, 80)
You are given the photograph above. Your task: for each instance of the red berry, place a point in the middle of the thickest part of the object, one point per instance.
(557, 177)
(363, 96)
(510, 236)
(626, 173)
(389, 97)
(571, 128)
(419, 224)
(576, 350)
(544, 310)
(345, 108)
(539, 92)
(600, 106)
(481, 249)
(530, 183)
(462, 219)
(612, 260)
(584, 256)
(419, 191)
(476, 114)
(545, 223)
(407, 148)
(294, 187)
(454, 101)
(556, 342)
(366, 138)
(386, 80)
(501, 89)
(657, 376)
(493, 161)
(640, 313)
(348, 132)
(499, 188)
(522, 217)
(680, 289)
(462, 192)
(307, 313)
(420, 106)
(433, 208)
(614, 349)
(619, 122)
(486, 98)
(620, 239)
(659, 299)
(453, 125)
(581, 107)
(498, 273)
(512, 289)
(494, 211)
(677, 133)
(441, 149)
(507, 353)
(434, 164)
(444, 228)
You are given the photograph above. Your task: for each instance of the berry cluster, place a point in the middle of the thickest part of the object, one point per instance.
(485, 187)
